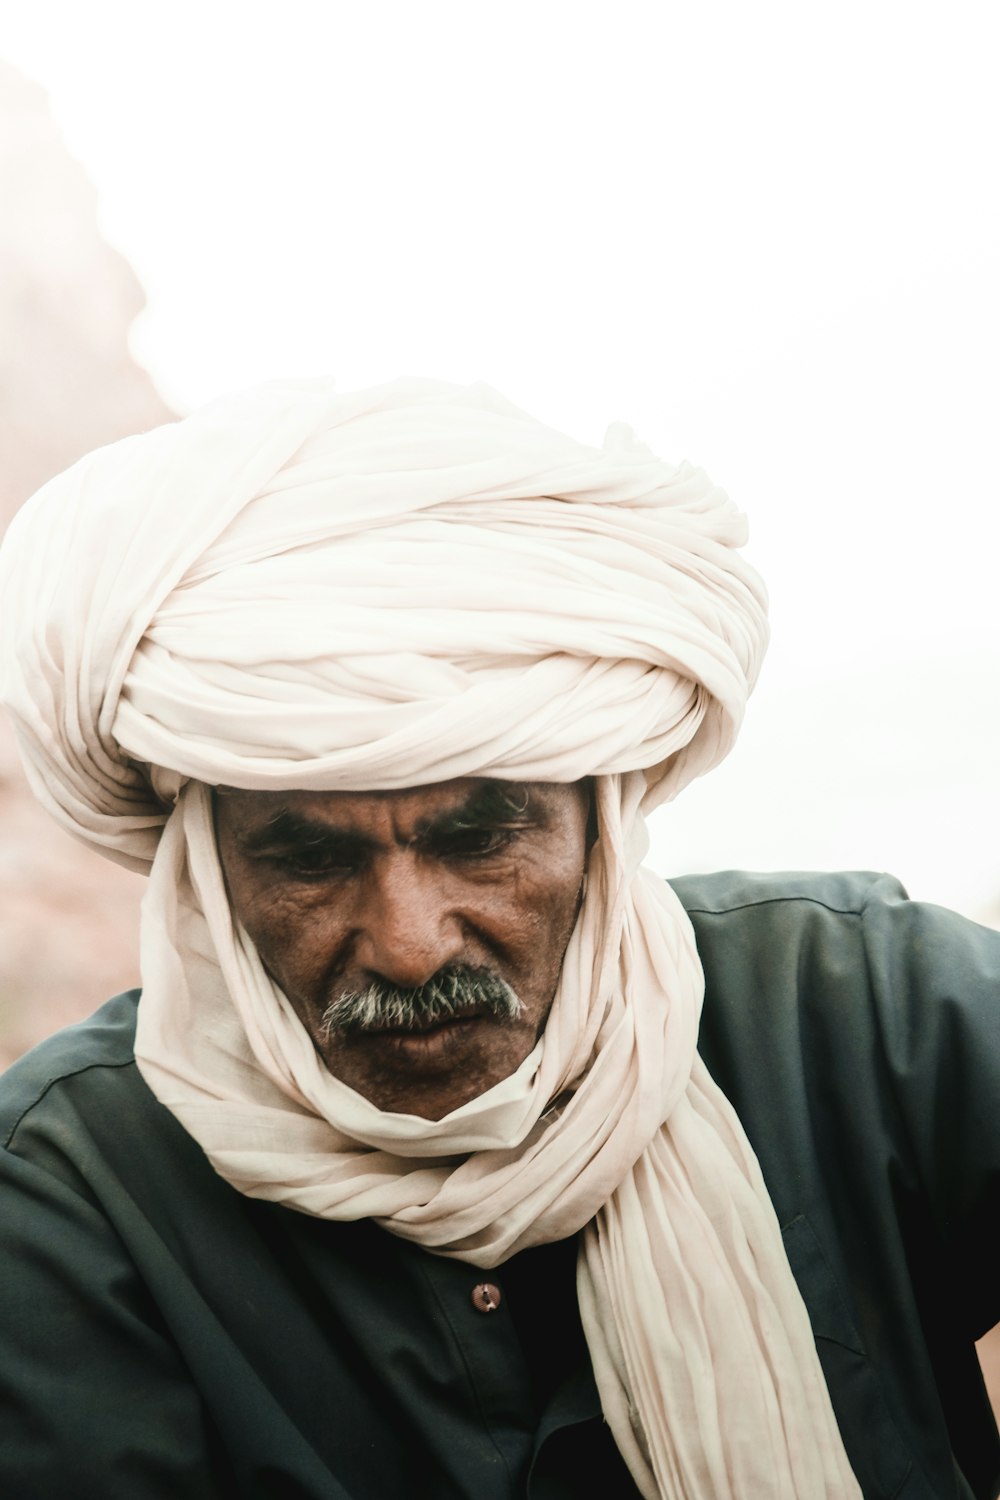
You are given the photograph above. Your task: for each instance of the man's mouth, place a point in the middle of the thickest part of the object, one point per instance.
(434, 1045)
(423, 1025)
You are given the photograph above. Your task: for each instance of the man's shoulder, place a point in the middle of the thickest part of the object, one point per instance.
(79, 1123)
(723, 891)
(774, 944)
(809, 976)
(788, 926)
(104, 1041)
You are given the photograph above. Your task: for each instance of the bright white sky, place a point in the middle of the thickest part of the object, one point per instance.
(766, 234)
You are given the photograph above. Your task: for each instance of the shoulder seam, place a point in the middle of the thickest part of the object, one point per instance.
(49, 1083)
(721, 911)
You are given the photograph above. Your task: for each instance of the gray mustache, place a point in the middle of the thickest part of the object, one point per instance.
(452, 992)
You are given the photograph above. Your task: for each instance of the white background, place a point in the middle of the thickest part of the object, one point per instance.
(765, 234)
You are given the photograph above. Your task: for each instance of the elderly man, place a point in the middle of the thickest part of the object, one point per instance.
(404, 1176)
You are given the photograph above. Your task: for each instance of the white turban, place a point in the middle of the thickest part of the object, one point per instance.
(299, 588)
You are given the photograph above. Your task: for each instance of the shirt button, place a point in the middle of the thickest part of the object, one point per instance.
(486, 1297)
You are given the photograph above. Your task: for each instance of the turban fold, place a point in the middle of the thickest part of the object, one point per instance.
(300, 588)
(369, 591)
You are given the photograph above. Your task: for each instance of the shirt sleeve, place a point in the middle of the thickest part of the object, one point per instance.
(936, 984)
(94, 1400)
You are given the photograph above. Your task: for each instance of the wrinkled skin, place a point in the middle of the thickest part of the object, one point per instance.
(339, 889)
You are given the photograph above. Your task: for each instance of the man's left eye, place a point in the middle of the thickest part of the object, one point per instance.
(475, 843)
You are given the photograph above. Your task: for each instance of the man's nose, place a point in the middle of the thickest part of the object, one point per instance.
(408, 929)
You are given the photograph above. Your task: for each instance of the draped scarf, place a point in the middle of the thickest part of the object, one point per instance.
(302, 588)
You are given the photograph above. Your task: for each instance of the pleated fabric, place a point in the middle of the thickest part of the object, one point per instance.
(302, 588)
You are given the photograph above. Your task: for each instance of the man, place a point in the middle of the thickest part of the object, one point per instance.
(405, 1176)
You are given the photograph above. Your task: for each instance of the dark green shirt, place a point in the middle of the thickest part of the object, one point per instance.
(164, 1336)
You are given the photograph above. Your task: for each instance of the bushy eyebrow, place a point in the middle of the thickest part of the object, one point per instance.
(490, 805)
(286, 827)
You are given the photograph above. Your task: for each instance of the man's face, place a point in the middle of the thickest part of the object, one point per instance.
(356, 899)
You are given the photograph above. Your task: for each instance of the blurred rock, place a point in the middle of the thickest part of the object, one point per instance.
(68, 919)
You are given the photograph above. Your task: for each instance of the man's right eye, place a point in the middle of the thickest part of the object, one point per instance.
(319, 861)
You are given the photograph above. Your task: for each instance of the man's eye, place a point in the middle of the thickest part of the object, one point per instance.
(475, 843)
(318, 861)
